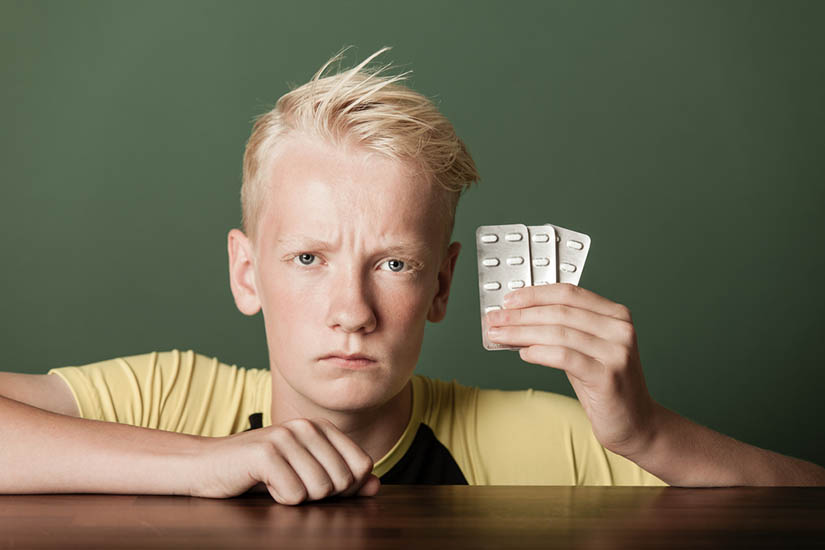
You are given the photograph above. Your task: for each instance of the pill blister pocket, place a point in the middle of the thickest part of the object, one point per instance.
(514, 256)
(572, 248)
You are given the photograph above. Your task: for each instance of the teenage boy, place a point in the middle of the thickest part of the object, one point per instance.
(350, 187)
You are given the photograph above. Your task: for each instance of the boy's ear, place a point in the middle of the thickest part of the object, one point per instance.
(438, 309)
(242, 272)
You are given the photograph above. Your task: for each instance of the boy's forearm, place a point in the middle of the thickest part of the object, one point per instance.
(683, 453)
(44, 452)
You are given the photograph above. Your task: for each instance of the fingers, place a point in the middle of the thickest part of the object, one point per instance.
(312, 436)
(281, 480)
(554, 335)
(357, 460)
(578, 353)
(568, 294)
(370, 487)
(312, 459)
(306, 454)
(577, 364)
(583, 320)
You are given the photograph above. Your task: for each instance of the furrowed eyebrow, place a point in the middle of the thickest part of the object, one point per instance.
(303, 242)
(414, 248)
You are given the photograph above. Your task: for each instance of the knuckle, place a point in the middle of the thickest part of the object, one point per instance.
(343, 481)
(324, 426)
(281, 435)
(301, 426)
(563, 313)
(623, 312)
(322, 421)
(564, 355)
(362, 467)
(627, 332)
(561, 332)
(322, 489)
(568, 290)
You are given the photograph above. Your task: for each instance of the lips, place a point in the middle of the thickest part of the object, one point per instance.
(351, 362)
(348, 357)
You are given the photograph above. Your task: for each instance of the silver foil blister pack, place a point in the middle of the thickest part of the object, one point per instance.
(514, 256)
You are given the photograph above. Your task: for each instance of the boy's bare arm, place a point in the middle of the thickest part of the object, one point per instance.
(45, 452)
(684, 453)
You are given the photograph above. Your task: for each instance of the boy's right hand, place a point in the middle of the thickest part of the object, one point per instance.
(296, 461)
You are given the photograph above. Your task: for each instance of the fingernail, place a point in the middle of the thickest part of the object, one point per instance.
(509, 299)
(493, 332)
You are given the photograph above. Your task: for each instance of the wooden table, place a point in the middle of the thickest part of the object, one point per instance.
(428, 517)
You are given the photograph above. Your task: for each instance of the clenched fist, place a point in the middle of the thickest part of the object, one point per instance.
(297, 461)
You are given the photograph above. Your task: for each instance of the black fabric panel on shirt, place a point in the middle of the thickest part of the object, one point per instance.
(256, 420)
(426, 462)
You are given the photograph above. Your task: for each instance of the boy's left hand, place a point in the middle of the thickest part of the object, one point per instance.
(593, 341)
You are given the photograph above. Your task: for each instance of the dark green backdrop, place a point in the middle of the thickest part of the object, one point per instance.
(686, 138)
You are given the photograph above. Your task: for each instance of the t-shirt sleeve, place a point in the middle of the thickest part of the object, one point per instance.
(183, 392)
(536, 437)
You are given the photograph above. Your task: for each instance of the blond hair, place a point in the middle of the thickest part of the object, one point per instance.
(377, 113)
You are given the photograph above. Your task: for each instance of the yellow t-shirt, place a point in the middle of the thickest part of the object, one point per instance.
(456, 433)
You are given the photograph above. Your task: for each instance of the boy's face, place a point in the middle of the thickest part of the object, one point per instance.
(348, 260)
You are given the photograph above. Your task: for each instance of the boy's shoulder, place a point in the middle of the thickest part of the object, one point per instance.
(443, 393)
(181, 391)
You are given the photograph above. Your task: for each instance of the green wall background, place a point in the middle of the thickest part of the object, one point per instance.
(686, 138)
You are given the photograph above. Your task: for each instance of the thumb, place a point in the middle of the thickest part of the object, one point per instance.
(370, 487)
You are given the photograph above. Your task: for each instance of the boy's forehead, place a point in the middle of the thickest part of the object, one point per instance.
(317, 222)
(316, 192)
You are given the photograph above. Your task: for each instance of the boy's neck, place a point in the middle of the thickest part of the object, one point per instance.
(374, 430)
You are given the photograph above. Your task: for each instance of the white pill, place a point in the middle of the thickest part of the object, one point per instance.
(489, 238)
(491, 308)
(516, 284)
(490, 262)
(541, 238)
(576, 245)
(513, 237)
(515, 260)
(570, 268)
(541, 262)
(492, 286)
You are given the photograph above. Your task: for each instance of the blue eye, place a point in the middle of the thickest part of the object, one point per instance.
(397, 262)
(305, 258)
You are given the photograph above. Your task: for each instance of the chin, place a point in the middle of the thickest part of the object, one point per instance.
(348, 395)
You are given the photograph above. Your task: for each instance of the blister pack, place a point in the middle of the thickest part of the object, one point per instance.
(514, 255)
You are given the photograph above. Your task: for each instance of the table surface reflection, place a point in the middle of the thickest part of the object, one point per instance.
(428, 517)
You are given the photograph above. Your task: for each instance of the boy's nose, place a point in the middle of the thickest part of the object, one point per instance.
(351, 306)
